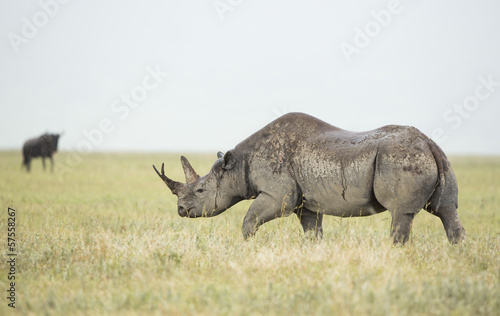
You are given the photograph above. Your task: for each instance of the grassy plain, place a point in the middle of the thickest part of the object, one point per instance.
(105, 238)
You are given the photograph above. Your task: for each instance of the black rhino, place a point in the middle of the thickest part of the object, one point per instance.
(300, 164)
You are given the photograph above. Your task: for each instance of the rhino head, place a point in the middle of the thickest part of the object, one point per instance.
(210, 194)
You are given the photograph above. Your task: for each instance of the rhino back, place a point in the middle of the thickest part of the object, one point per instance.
(326, 168)
(303, 156)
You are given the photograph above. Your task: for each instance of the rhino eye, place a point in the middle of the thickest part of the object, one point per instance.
(200, 190)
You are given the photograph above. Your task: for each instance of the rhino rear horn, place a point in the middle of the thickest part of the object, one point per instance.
(171, 184)
(191, 175)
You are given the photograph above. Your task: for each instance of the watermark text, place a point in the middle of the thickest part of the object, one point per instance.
(31, 26)
(222, 7)
(121, 106)
(12, 256)
(459, 112)
(364, 36)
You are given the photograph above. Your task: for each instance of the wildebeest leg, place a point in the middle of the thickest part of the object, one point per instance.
(26, 163)
(51, 163)
(401, 226)
(263, 209)
(311, 221)
(454, 229)
(43, 163)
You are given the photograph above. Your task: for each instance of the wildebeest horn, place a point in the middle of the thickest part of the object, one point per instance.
(172, 185)
(191, 175)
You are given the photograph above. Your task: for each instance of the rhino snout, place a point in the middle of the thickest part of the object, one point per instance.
(182, 211)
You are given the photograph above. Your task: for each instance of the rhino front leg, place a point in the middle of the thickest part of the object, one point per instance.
(311, 222)
(454, 229)
(263, 209)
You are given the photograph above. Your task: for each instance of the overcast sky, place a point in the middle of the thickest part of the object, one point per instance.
(187, 76)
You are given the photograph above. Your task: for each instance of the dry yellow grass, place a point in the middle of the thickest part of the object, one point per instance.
(105, 238)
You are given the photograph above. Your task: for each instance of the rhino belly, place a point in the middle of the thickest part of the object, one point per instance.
(340, 188)
(342, 210)
(334, 200)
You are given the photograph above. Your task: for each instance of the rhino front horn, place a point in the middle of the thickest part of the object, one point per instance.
(171, 184)
(191, 175)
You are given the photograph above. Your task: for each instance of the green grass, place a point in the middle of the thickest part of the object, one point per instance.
(105, 238)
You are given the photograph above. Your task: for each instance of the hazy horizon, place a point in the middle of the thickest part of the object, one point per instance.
(179, 77)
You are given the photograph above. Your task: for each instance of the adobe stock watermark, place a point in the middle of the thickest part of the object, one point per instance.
(121, 106)
(458, 113)
(222, 7)
(364, 36)
(280, 111)
(30, 27)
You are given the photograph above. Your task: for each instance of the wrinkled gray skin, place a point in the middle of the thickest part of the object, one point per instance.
(300, 164)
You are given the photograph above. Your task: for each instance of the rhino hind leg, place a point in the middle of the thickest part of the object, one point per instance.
(311, 222)
(401, 226)
(403, 203)
(443, 204)
(452, 225)
(403, 188)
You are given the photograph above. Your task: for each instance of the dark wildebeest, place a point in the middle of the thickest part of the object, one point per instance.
(43, 146)
(300, 164)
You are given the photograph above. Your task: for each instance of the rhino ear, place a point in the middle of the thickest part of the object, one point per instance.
(229, 161)
(220, 154)
(191, 175)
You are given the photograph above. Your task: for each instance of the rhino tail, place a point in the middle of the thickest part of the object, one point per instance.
(443, 166)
